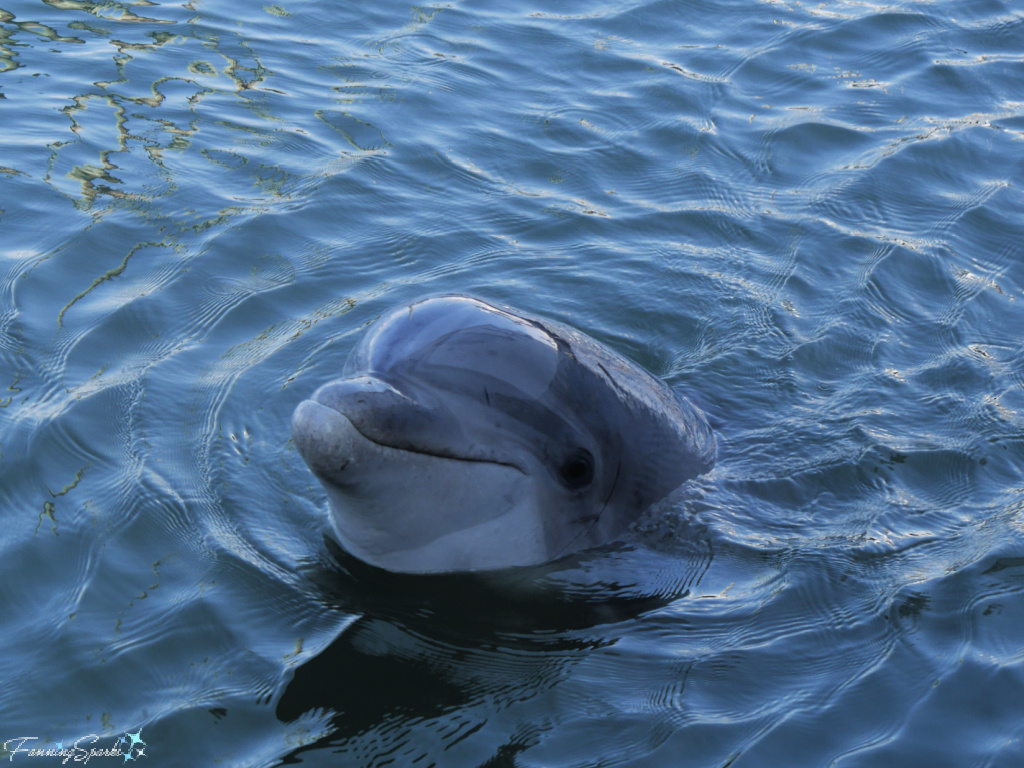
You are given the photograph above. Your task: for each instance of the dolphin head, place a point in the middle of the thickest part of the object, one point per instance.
(464, 436)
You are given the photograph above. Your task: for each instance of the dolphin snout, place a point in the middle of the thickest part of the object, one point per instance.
(325, 439)
(358, 393)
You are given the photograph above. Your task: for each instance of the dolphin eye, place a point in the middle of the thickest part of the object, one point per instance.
(578, 470)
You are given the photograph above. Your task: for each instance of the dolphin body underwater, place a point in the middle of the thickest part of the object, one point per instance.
(465, 436)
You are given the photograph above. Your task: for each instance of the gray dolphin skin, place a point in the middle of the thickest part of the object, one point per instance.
(464, 436)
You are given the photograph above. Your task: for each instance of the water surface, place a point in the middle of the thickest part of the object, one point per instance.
(805, 216)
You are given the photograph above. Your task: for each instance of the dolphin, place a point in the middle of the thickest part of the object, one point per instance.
(467, 436)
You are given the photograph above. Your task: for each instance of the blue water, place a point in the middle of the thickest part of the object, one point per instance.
(807, 217)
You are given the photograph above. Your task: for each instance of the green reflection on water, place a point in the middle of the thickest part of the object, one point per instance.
(98, 9)
(108, 275)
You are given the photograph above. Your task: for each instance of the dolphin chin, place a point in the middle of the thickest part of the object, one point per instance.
(464, 436)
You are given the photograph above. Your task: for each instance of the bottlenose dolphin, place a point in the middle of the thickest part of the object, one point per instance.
(465, 436)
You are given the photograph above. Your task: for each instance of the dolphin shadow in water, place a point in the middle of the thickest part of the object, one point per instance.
(431, 659)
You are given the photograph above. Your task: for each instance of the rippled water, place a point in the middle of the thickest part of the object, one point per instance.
(806, 216)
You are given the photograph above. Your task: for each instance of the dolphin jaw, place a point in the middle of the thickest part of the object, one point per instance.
(326, 437)
(433, 515)
(414, 512)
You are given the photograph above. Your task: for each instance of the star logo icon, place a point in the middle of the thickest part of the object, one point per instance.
(135, 745)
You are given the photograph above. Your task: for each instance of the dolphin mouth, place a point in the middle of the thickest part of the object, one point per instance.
(308, 421)
(435, 453)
